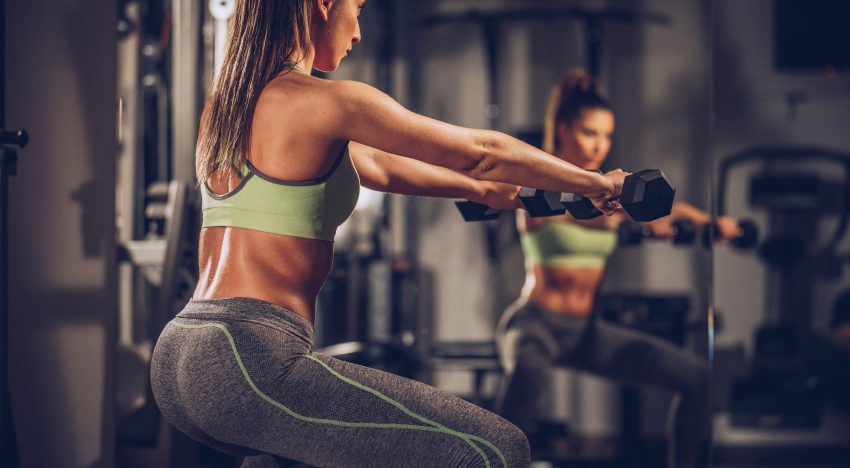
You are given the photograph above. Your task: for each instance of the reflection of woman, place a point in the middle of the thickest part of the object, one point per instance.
(235, 369)
(551, 323)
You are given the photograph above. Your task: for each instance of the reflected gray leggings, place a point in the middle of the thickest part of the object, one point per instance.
(532, 340)
(240, 376)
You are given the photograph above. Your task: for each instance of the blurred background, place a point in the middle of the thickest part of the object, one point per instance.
(744, 105)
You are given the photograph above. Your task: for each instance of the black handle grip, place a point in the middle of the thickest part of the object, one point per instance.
(19, 138)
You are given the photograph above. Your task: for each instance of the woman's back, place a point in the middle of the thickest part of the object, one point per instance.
(289, 142)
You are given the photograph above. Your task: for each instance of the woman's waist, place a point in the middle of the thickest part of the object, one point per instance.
(229, 312)
(565, 290)
(282, 270)
(563, 305)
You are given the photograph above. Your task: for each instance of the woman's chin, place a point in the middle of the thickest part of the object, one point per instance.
(327, 67)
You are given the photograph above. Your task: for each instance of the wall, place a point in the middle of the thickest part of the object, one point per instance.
(60, 86)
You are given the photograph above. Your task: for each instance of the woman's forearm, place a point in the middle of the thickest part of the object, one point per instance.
(363, 114)
(507, 159)
(688, 211)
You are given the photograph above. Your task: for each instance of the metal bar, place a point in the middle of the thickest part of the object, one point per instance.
(185, 82)
(546, 14)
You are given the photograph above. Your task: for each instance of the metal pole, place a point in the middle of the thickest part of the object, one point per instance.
(8, 166)
(185, 82)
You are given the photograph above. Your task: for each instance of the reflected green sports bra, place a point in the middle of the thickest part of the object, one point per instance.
(313, 209)
(568, 244)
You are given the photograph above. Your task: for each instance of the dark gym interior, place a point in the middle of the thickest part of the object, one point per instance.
(744, 105)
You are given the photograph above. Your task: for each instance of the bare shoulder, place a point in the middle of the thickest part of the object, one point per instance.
(301, 86)
(361, 97)
(349, 89)
(315, 97)
(292, 89)
(295, 102)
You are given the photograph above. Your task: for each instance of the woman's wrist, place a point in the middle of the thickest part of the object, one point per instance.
(603, 187)
(477, 191)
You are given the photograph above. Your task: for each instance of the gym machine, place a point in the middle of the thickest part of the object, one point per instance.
(780, 394)
(157, 214)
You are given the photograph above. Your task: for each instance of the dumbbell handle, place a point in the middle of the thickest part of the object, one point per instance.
(472, 211)
(632, 233)
(538, 203)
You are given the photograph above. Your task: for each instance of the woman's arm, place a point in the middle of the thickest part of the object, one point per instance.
(682, 210)
(727, 226)
(391, 173)
(363, 114)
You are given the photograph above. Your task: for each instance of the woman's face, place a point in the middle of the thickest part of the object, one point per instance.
(587, 140)
(337, 32)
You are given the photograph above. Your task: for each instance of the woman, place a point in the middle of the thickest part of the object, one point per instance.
(278, 158)
(552, 324)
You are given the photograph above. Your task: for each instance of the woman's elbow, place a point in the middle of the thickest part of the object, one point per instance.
(484, 155)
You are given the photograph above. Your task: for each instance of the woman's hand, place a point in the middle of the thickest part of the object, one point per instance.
(661, 228)
(727, 228)
(500, 196)
(606, 199)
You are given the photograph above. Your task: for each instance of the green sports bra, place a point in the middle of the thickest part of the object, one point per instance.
(313, 209)
(568, 244)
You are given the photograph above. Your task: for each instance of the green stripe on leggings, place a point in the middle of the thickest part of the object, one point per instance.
(406, 410)
(435, 427)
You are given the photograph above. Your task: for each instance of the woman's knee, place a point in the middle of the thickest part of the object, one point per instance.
(511, 443)
(518, 451)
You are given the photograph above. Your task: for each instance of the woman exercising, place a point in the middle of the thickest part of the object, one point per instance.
(280, 159)
(551, 324)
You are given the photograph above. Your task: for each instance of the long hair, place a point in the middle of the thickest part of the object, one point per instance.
(263, 34)
(577, 92)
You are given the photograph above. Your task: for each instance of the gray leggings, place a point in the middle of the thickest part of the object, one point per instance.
(240, 376)
(532, 341)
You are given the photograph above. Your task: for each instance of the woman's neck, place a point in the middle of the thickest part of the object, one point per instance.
(304, 58)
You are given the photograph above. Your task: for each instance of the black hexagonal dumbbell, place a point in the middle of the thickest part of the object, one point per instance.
(537, 203)
(472, 211)
(646, 195)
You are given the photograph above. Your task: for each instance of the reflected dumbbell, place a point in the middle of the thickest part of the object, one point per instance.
(684, 232)
(646, 195)
(747, 236)
(633, 233)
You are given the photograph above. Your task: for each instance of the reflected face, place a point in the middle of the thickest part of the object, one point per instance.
(336, 36)
(587, 140)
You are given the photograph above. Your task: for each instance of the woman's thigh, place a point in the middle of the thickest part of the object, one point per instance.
(325, 412)
(636, 357)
